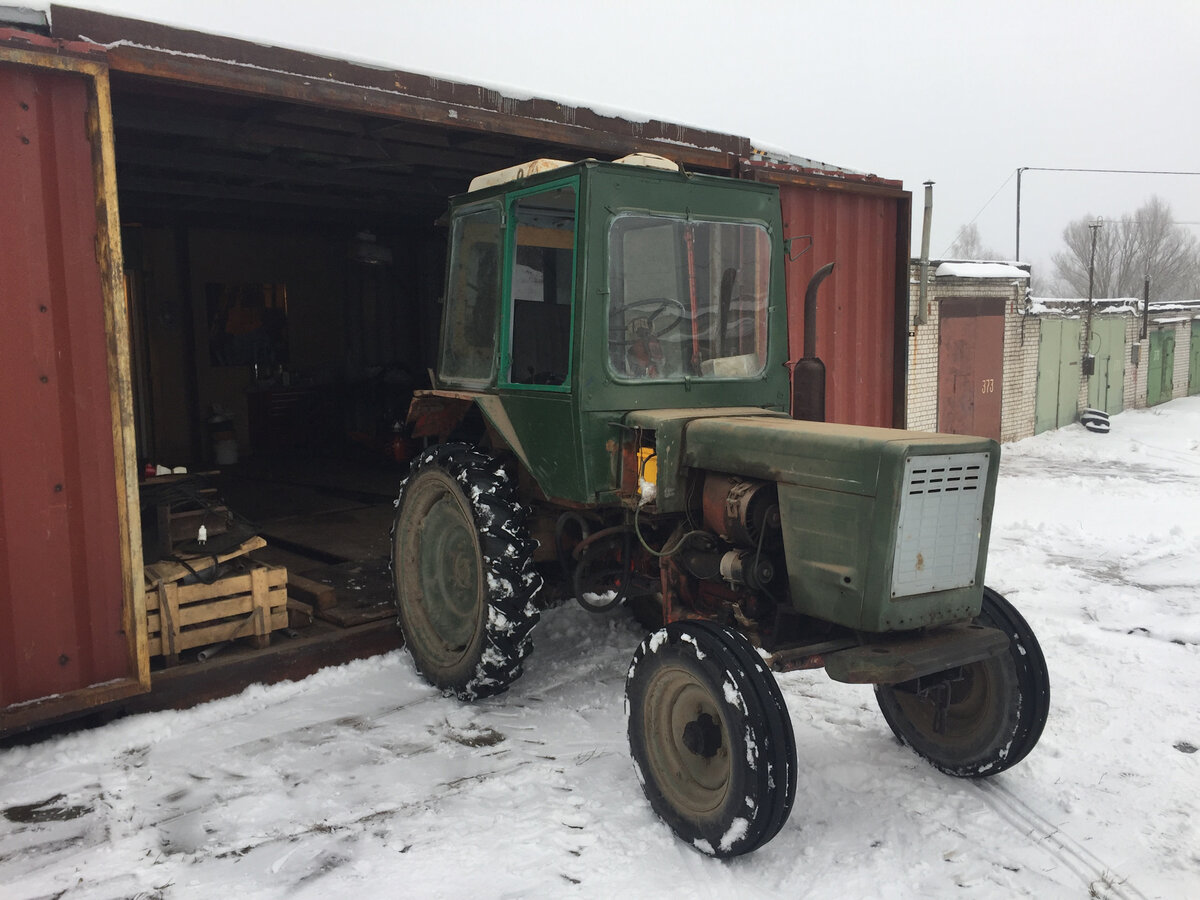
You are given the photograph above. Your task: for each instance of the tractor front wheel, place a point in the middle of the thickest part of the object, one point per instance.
(710, 737)
(979, 719)
(462, 574)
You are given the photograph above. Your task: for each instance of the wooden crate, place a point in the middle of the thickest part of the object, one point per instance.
(250, 605)
(182, 566)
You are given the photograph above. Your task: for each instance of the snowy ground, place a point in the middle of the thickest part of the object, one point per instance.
(364, 781)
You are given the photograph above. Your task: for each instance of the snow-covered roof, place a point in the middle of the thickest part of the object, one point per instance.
(1076, 305)
(778, 155)
(979, 270)
(1175, 306)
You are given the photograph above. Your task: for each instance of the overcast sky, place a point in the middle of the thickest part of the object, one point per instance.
(961, 93)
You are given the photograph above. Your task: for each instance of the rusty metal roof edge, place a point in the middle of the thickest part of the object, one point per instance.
(114, 33)
(30, 40)
(814, 169)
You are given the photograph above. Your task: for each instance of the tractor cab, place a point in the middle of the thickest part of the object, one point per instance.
(576, 293)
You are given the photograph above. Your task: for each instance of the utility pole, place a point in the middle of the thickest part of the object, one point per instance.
(1020, 172)
(1087, 331)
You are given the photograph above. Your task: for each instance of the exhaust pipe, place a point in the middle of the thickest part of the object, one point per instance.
(808, 374)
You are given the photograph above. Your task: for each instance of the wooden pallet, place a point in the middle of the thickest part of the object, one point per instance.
(251, 605)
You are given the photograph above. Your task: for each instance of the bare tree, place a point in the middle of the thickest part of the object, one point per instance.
(969, 245)
(1148, 242)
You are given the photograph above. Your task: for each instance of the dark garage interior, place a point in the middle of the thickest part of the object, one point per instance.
(282, 270)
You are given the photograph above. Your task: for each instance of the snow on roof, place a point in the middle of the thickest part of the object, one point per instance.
(247, 50)
(1114, 306)
(772, 154)
(1175, 306)
(979, 270)
(1076, 305)
(24, 16)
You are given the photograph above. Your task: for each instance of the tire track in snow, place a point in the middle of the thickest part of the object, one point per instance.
(60, 849)
(485, 707)
(1101, 880)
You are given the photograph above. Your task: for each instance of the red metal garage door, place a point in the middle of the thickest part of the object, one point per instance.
(971, 366)
(68, 636)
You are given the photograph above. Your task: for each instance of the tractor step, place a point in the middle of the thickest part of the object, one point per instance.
(895, 660)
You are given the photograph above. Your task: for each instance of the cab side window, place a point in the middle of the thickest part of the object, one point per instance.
(471, 316)
(541, 287)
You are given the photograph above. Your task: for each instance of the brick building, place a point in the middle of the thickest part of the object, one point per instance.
(983, 335)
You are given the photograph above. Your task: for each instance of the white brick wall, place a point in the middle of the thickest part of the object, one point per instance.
(1183, 350)
(1021, 334)
(1135, 376)
(922, 399)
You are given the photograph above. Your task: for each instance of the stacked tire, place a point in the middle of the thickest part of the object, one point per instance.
(1095, 420)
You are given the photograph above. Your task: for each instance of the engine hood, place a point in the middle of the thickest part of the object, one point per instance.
(842, 458)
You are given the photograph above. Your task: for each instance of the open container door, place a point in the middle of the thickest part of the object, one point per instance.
(72, 609)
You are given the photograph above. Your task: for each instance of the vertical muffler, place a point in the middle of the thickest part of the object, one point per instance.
(808, 374)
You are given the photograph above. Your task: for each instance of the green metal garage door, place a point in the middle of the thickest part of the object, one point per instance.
(1160, 376)
(1106, 386)
(1194, 365)
(1058, 374)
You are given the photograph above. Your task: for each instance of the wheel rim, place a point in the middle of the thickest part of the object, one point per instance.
(441, 581)
(989, 715)
(689, 749)
(971, 715)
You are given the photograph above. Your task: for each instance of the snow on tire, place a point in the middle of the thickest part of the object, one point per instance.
(981, 719)
(462, 572)
(711, 740)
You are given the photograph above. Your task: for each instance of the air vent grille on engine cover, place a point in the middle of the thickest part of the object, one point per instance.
(941, 513)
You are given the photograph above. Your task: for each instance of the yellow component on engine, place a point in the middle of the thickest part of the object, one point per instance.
(647, 466)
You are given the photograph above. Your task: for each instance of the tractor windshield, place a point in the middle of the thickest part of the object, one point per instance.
(688, 298)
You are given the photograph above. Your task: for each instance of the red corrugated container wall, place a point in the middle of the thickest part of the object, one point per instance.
(61, 582)
(857, 319)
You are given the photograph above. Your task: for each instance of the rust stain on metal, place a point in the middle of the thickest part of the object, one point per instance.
(433, 414)
(230, 63)
(891, 661)
(816, 661)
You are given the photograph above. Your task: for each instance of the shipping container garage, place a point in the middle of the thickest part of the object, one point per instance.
(227, 257)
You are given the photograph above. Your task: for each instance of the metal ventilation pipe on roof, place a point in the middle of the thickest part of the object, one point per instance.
(922, 292)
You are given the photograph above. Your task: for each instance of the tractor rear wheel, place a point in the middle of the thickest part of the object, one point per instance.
(710, 736)
(462, 575)
(979, 719)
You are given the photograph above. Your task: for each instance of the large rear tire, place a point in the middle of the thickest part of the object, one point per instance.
(462, 575)
(980, 719)
(710, 737)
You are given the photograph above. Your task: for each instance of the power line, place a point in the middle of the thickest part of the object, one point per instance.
(1023, 169)
(1104, 171)
(980, 213)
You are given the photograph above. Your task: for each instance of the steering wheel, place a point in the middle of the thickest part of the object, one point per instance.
(658, 305)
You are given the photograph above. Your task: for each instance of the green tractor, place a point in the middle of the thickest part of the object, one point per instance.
(610, 413)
